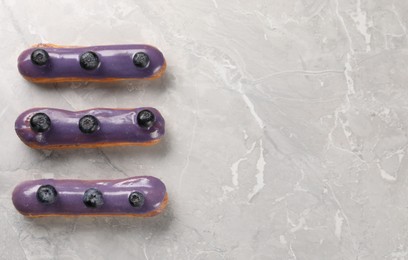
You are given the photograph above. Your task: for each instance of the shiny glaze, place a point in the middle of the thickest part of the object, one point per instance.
(115, 63)
(117, 127)
(70, 194)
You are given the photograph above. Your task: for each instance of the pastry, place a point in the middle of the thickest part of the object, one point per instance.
(49, 63)
(143, 196)
(49, 128)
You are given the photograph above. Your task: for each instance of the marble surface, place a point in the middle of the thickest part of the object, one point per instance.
(286, 129)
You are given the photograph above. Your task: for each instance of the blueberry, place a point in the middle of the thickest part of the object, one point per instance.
(136, 199)
(47, 194)
(93, 198)
(89, 60)
(145, 118)
(39, 57)
(141, 60)
(40, 122)
(88, 124)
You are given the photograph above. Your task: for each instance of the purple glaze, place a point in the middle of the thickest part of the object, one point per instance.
(116, 62)
(70, 192)
(117, 126)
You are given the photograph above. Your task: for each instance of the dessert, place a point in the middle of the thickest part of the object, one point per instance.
(50, 63)
(143, 196)
(49, 128)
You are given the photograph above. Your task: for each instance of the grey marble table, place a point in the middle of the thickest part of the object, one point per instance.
(286, 129)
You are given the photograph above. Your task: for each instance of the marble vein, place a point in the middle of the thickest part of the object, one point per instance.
(260, 166)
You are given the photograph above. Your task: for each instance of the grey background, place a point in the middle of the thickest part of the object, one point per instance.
(286, 129)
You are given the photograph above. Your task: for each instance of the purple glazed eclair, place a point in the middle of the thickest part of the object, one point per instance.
(49, 128)
(50, 63)
(143, 196)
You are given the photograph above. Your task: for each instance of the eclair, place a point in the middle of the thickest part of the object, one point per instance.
(143, 196)
(50, 63)
(50, 128)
